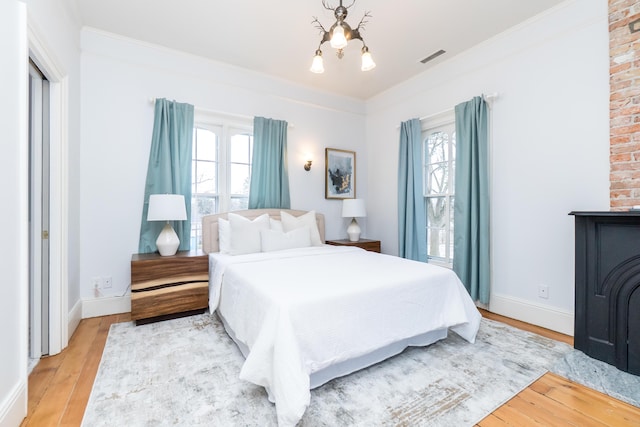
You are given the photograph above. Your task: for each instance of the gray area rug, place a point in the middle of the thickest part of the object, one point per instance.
(185, 372)
(599, 376)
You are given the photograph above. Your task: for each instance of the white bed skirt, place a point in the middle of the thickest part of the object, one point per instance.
(347, 367)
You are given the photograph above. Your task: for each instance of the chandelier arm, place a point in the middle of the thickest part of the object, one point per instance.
(363, 22)
(355, 34)
(325, 38)
(318, 25)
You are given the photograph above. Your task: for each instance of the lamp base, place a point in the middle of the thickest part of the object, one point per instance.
(353, 230)
(167, 241)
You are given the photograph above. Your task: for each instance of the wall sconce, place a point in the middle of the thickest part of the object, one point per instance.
(307, 166)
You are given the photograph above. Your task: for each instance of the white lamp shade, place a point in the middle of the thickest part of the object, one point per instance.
(317, 66)
(338, 39)
(353, 208)
(367, 62)
(166, 207)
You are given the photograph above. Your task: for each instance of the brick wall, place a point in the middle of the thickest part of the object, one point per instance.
(624, 104)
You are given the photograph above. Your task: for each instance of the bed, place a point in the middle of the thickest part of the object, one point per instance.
(303, 313)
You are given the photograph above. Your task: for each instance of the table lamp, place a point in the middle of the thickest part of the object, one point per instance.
(354, 208)
(167, 207)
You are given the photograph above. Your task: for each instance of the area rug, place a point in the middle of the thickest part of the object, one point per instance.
(599, 376)
(184, 372)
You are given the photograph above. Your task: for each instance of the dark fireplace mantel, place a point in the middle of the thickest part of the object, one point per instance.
(607, 293)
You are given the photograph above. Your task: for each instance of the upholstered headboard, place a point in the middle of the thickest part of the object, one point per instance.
(210, 224)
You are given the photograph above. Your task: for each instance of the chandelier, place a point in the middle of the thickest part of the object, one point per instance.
(339, 35)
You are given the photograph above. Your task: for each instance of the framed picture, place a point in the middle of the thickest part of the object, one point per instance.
(340, 174)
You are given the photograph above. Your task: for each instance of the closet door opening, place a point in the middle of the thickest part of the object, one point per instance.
(39, 177)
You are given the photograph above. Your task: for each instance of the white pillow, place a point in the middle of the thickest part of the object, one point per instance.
(290, 222)
(275, 224)
(224, 236)
(278, 240)
(245, 234)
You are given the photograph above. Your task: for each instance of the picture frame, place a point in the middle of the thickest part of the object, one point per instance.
(339, 174)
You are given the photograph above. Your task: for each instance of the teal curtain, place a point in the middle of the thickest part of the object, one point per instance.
(269, 186)
(412, 222)
(471, 212)
(169, 169)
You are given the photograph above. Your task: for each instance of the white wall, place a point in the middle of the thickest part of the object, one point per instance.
(13, 251)
(549, 149)
(120, 75)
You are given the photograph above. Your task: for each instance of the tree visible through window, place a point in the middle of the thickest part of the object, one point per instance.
(439, 163)
(221, 172)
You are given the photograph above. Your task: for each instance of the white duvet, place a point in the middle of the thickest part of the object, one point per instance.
(299, 311)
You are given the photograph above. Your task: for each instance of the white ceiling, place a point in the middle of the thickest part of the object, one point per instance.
(277, 37)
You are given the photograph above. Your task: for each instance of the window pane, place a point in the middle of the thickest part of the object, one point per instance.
(205, 177)
(239, 179)
(241, 148)
(206, 147)
(436, 227)
(200, 206)
(239, 203)
(436, 243)
(437, 178)
(453, 146)
(438, 147)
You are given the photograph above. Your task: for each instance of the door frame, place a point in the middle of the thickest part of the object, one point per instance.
(58, 196)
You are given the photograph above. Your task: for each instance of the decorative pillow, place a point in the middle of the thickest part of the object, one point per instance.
(290, 222)
(278, 240)
(245, 234)
(224, 236)
(275, 224)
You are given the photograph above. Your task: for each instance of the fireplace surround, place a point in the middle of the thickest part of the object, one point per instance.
(607, 287)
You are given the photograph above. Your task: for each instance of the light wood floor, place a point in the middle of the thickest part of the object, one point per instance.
(59, 388)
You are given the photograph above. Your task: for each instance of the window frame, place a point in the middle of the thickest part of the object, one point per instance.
(225, 127)
(429, 126)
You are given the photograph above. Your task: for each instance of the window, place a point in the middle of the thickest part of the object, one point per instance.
(439, 148)
(221, 171)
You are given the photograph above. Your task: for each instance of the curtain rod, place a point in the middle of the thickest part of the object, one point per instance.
(220, 113)
(488, 98)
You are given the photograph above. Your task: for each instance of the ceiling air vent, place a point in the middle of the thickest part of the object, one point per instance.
(432, 56)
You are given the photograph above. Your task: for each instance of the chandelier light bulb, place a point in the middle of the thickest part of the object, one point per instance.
(317, 66)
(367, 60)
(338, 39)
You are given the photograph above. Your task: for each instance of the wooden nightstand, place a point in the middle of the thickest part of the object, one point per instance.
(370, 245)
(168, 286)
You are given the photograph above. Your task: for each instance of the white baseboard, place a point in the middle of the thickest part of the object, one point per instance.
(105, 306)
(14, 408)
(75, 315)
(541, 315)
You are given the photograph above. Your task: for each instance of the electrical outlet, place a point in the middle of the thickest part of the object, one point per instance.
(543, 291)
(106, 282)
